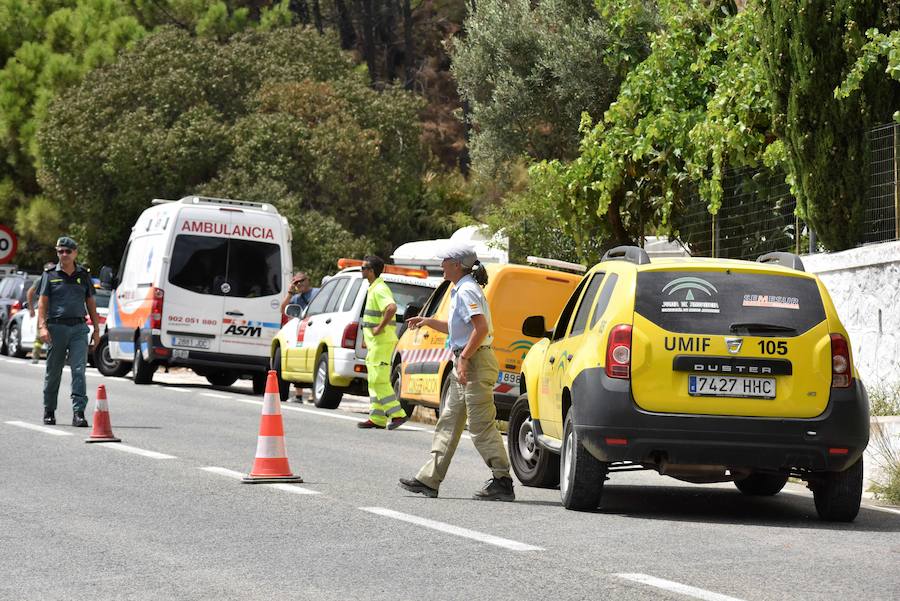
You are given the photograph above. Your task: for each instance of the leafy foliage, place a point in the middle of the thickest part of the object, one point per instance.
(281, 116)
(880, 46)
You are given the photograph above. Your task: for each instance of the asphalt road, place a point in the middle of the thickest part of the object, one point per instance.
(100, 521)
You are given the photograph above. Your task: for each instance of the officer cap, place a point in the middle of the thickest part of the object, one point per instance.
(460, 252)
(66, 242)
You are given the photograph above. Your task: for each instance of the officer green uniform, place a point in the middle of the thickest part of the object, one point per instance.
(66, 295)
(383, 402)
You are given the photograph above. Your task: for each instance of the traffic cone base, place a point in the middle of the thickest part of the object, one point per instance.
(102, 430)
(271, 462)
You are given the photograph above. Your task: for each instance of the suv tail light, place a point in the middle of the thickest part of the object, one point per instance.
(348, 340)
(618, 352)
(156, 309)
(841, 370)
(15, 308)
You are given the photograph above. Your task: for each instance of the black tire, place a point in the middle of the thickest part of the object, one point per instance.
(3, 347)
(325, 396)
(259, 382)
(106, 365)
(396, 384)
(142, 370)
(14, 341)
(221, 378)
(445, 393)
(581, 474)
(838, 494)
(761, 485)
(533, 465)
(284, 388)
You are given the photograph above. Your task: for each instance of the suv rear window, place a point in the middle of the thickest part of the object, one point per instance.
(408, 294)
(726, 302)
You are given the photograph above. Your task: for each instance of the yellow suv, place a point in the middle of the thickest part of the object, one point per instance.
(705, 370)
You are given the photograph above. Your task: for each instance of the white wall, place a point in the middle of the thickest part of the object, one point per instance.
(864, 284)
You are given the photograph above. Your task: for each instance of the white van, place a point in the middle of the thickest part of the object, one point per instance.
(200, 285)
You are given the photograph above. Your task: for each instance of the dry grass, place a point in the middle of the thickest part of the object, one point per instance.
(885, 400)
(887, 457)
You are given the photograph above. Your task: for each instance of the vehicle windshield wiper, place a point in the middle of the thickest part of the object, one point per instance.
(752, 326)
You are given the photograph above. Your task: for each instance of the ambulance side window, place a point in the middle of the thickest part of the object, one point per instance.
(562, 323)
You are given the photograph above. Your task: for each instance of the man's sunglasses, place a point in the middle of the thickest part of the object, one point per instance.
(365, 267)
(63, 251)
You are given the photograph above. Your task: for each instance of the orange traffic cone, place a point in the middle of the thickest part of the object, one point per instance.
(102, 431)
(271, 463)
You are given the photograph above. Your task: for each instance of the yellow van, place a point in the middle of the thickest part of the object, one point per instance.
(421, 361)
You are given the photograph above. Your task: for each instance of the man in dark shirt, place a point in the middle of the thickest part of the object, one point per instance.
(301, 292)
(66, 292)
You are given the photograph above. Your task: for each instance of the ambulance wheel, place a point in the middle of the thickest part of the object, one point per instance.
(533, 465)
(259, 383)
(325, 396)
(142, 370)
(397, 385)
(284, 388)
(582, 475)
(838, 494)
(761, 485)
(221, 378)
(106, 365)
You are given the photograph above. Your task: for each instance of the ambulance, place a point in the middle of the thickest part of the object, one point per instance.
(200, 285)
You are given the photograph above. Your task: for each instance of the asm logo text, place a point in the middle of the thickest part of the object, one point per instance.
(236, 330)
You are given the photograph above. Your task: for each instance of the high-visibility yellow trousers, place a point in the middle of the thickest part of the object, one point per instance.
(383, 403)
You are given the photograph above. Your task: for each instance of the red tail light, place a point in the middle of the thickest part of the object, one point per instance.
(841, 369)
(284, 319)
(157, 309)
(15, 308)
(618, 352)
(301, 330)
(348, 340)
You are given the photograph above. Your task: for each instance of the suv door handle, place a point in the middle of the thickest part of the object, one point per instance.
(425, 335)
(234, 313)
(551, 359)
(327, 321)
(570, 357)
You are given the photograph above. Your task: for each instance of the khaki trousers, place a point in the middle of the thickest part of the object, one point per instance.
(475, 399)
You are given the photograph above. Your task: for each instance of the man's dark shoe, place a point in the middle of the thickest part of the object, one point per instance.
(397, 422)
(413, 485)
(368, 424)
(49, 418)
(496, 489)
(78, 420)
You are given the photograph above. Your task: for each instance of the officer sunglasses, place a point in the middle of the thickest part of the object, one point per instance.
(63, 251)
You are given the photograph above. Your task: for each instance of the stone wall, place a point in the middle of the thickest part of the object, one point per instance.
(864, 284)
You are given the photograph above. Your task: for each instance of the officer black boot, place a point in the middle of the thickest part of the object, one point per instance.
(496, 489)
(78, 420)
(49, 417)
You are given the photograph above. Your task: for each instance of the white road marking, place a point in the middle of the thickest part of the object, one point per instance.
(129, 449)
(214, 395)
(38, 365)
(292, 488)
(176, 389)
(677, 587)
(44, 429)
(454, 530)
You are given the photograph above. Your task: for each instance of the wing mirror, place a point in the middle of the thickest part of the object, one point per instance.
(535, 327)
(293, 310)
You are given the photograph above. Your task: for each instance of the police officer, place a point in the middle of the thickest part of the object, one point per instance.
(380, 335)
(66, 291)
(470, 334)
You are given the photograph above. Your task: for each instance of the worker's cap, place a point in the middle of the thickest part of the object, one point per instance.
(66, 242)
(461, 253)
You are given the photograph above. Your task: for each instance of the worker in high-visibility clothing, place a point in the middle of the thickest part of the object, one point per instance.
(380, 334)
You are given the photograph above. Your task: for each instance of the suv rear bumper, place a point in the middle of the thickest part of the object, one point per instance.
(604, 408)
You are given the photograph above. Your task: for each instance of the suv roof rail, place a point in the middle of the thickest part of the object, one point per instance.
(557, 263)
(632, 254)
(782, 258)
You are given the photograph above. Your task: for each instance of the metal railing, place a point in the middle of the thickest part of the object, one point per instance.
(757, 211)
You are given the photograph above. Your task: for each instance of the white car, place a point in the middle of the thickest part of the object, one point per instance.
(324, 346)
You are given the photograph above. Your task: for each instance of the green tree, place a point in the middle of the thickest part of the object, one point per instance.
(809, 45)
(881, 48)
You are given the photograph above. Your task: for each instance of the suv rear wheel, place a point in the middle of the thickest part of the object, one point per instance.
(14, 341)
(582, 475)
(533, 465)
(325, 396)
(838, 494)
(761, 485)
(142, 370)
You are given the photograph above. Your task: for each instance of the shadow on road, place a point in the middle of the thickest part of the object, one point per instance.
(718, 505)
